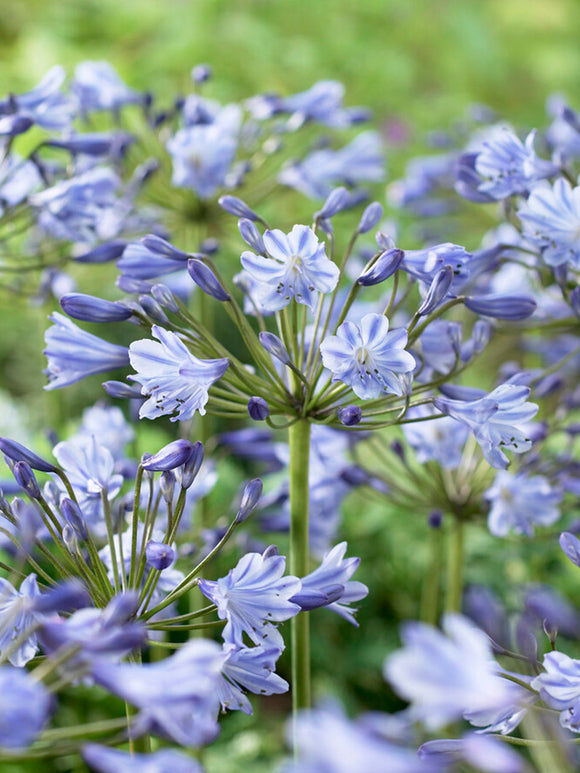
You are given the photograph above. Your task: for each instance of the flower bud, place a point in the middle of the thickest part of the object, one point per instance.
(205, 279)
(11, 125)
(90, 309)
(551, 631)
(235, 206)
(131, 285)
(153, 309)
(575, 301)
(481, 335)
(258, 408)
(454, 334)
(354, 475)
(19, 453)
(349, 415)
(187, 473)
(512, 307)
(384, 266)
(121, 390)
(370, 217)
(435, 519)
(165, 298)
(384, 241)
(159, 246)
(121, 608)
(70, 538)
(67, 596)
(167, 485)
(103, 253)
(74, 517)
(336, 201)
(250, 498)
(159, 555)
(22, 471)
(250, 234)
(274, 346)
(169, 457)
(571, 547)
(437, 291)
(201, 73)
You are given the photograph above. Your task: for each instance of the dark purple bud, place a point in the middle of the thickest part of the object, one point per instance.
(250, 498)
(201, 73)
(74, 517)
(121, 608)
(167, 485)
(160, 246)
(354, 475)
(437, 291)
(349, 415)
(205, 279)
(94, 144)
(159, 555)
(67, 596)
(435, 519)
(384, 266)
(121, 390)
(337, 200)
(398, 449)
(274, 346)
(169, 457)
(104, 253)
(19, 453)
(165, 298)
(236, 207)
(575, 301)
(258, 408)
(313, 598)
(90, 309)
(384, 241)
(153, 309)
(186, 475)
(571, 546)
(251, 235)
(25, 478)
(370, 217)
(11, 125)
(512, 307)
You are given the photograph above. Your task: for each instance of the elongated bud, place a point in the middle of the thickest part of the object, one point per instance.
(235, 206)
(131, 285)
(103, 253)
(354, 475)
(274, 346)
(90, 309)
(5, 508)
(70, 538)
(258, 408)
(153, 309)
(12, 125)
(165, 298)
(250, 234)
(205, 279)
(74, 517)
(121, 390)
(384, 266)
(481, 335)
(159, 555)
(349, 415)
(437, 291)
(160, 246)
(169, 457)
(201, 73)
(250, 498)
(512, 307)
(370, 217)
(22, 471)
(187, 473)
(64, 597)
(435, 519)
(19, 453)
(337, 200)
(455, 335)
(571, 547)
(94, 143)
(167, 485)
(384, 241)
(551, 631)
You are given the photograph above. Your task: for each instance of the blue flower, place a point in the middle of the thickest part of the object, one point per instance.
(110, 426)
(103, 759)
(519, 502)
(97, 86)
(175, 380)
(16, 617)
(494, 420)
(368, 357)
(24, 708)
(441, 440)
(297, 267)
(253, 597)
(74, 354)
(45, 104)
(252, 669)
(559, 688)
(551, 220)
(508, 165)
(202, 156)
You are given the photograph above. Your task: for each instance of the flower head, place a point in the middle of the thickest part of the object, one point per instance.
(202, 156)
(519, 502)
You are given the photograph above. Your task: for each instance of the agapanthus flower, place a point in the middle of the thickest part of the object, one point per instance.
(451, 674)
(24, 708)
(520, 502)
(202, 156)
(440, 440)
(296, 266)
(559, 688)
(110, 426)
(368, 357)
(253, 597)
(494, 420)
(97, 86)
(551, 220)
(17, 615)
(45, 104)
(249, 669)
(18, 179)
(175, 381)
(103, 759)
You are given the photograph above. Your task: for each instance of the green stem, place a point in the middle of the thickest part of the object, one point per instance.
(455, 568)
(299, 438)
(431, 583)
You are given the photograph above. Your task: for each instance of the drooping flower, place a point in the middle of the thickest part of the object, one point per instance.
(17, 615)
(368, 357)
(519, 502)
(24, 708)
(551, 220)
(251, 669)
(74, 354)
(175, 381)
(296, 267)
(253, 597)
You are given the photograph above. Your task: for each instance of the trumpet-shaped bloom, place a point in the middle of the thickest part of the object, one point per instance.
(253, 597)
(73, 354)
(368, 357)
(296, 267)
(16, 616)
(251, 669)
(494, 420)
(175, 381)
(551, 219)
(24, 708)
(519, 502)
(559, 688)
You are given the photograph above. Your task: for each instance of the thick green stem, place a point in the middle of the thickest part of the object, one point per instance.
(431, 585)
(299, 437)
(455, 568)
